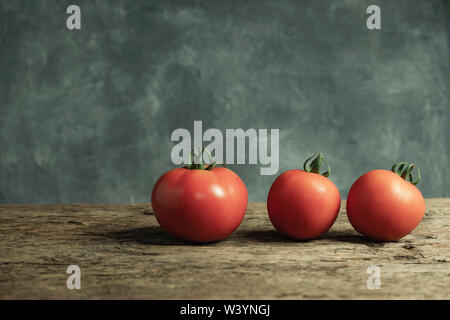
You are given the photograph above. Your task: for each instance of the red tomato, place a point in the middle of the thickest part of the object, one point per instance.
(303, 205)
(384, 206)
(199, 205)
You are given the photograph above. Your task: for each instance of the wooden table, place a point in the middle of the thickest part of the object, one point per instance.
(123, 254)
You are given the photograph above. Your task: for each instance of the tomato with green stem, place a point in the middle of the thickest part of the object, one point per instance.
(200, 203)
(303, 204)
(386, 205)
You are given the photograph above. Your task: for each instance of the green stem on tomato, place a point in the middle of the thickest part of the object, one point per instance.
(404, 170)
(200, 166)
(316, 163)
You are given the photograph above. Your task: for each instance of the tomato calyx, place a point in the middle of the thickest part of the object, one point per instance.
(314, 163)
(404, 170)
(196, 161)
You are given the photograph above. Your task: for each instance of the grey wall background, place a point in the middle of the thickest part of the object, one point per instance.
(86, 116)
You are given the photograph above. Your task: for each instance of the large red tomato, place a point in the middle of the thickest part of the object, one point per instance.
(199, 205)
(385, 205)
(301, 204)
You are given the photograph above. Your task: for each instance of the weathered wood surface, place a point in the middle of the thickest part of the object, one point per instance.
(123, 254)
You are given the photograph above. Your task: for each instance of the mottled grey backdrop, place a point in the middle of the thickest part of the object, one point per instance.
(86, 116)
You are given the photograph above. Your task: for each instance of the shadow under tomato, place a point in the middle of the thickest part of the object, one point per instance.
(155, 235)
(271, 236)
(268, 236)
(148, 235)
(351, 238)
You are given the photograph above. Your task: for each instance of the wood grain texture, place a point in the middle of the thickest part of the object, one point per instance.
(123, 254)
